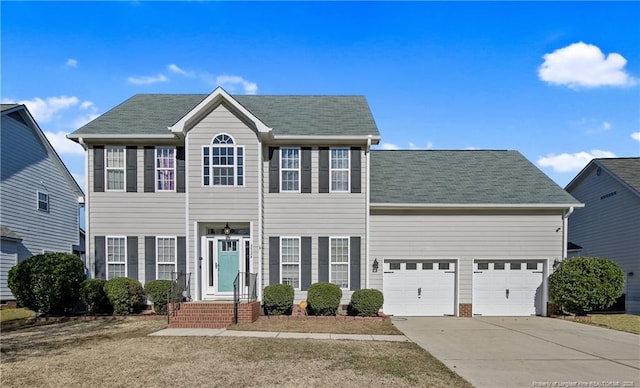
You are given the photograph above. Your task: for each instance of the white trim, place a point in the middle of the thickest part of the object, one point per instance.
(175, 169)
(106, 255)
(175, 255)
(92, 136)
(327, 138)
(210, 147)
(260, 211)
(368, 215)
(471, 206)
(298, 170)
(332, 169)
(348, 238)
(216, 97)
(123, 168)
(186, 216)
(47, 202)
(299, 239)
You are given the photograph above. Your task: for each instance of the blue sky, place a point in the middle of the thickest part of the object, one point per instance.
(559, 82)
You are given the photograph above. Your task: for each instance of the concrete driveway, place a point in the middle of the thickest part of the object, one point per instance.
(528, 351)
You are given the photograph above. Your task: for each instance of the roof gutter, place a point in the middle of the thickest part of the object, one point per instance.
(474, 206)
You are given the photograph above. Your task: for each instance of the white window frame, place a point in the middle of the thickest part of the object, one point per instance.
(348, 262)
(175, 255)
(283, 169)
(107, 168)
(158, 169)
(106, 254)
(332, 169)
(46, 202)
(299, 264)
(236, 165)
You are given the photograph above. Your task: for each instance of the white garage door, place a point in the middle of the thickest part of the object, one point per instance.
(419, 288)
(509, 288)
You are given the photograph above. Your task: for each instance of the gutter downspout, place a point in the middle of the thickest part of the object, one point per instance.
(260, 211)
(87, 237)
(367, 214)
(565, 231)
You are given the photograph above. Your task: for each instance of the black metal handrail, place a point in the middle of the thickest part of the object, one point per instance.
(244, 290)
(179, 292)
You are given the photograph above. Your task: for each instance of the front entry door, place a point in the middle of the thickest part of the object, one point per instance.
(228, 264)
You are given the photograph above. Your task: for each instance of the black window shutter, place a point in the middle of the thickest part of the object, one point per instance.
(149, 258)
(274, 260)
(98, 169)
(274, 170)
(101, 262)
(149, 169)
(306, 170)
(323, 169)
(305, 263)
(180, 181)
(323, 259)
(182, 254)
(354, 248)
(356, 170)
(132, 169)
(132, 257)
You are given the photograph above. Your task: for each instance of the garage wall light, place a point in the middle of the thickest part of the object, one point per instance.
(375, 265)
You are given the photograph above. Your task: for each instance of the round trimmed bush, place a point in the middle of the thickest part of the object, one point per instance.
(278, 299)
(48, 283)
(125, 295)
(582, 284)
(159, 291)
(366, 303)
(93, 295)
(324, 298)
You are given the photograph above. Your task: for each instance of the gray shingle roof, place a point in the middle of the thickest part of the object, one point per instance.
(461, 177)
(626, 169)
(151, 114)
(8, 233)
(4, 107)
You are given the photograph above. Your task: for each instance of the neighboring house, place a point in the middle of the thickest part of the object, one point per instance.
(38, 196)
(288, 188)
(609, 224)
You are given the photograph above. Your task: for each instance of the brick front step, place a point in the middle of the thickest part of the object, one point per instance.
(210, 315)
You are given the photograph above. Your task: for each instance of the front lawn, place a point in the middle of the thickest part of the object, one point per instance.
(119, 353)
(623, 322)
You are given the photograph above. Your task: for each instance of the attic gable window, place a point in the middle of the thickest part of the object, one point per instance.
(114, 168)
(43, 201)
(223, 162)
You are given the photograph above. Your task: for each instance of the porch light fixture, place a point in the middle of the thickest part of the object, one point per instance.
(227, 231)
(375, 265)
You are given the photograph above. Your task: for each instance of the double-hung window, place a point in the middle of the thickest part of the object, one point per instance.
(165, 169)
(116, 257)
(114, 168)
(43, 201)
(290, 261)
(340, 169)
(290, 169)
(339, 261)
(223, 163)
(166, 257)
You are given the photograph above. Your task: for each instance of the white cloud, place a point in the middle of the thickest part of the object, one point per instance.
(471, 148)
(44, 110)
(388, 146)
(62, 145)
(148, 80)
(428, 146)
(566, 162)
(176, 69)
(71, 63)
(584, 65)
(230, 82)
(635, 136)
(606, 125)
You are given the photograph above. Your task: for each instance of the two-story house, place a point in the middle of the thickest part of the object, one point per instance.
(39, 198)
(288, 188)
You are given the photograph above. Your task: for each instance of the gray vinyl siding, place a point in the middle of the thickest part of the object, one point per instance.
(609, 227)
(456, 235)
(28, 167)
(139, 214)
(315, 214)
(219, 204)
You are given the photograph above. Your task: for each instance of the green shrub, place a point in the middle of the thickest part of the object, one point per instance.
(158, 292)
(125, 295)
(278, 299)
(582, 284)
(93, 295)
(366, 303)
(47, 283)
(324, 298)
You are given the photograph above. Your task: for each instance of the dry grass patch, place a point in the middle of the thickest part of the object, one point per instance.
(335, 326)
(8, 315)
(623, 322)
(118, 353)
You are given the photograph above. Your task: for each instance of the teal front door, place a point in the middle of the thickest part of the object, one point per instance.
(228, 264)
